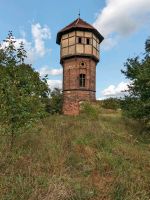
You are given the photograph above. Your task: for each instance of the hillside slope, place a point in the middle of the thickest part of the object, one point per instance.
(77, 158)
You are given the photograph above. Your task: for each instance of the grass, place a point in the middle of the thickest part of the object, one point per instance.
(77, 158)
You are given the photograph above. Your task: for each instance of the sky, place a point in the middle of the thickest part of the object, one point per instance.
(125, 25)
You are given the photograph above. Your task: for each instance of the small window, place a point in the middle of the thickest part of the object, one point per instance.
(79, 40)
(82, 80)
(82, 64)
(87, 41)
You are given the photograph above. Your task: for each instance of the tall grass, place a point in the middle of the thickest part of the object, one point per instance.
(102, 157)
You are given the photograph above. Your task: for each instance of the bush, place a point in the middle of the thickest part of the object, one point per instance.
(89, 110)
(54, 104)
(111, 103)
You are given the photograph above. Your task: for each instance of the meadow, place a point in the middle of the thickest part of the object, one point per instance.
(100, 156)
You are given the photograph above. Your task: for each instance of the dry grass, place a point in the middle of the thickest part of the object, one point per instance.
(77, 158)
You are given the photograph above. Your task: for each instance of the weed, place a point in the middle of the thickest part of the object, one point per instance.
(91, 156)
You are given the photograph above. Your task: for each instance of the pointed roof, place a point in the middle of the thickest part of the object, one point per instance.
(78, 24)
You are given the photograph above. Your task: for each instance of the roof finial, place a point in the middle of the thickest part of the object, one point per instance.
(79, 13)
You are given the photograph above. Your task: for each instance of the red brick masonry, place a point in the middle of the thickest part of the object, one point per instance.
(73, 94)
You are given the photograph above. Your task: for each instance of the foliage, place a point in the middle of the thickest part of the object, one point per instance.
(111, 103)
(21, 90)
(137, 103)
(54, 103)
(89, 109)
(147, 45)
(76, 158)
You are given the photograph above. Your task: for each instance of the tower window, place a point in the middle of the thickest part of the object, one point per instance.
(87, 41)
(79, 40)
(82, 64)
(82, 80)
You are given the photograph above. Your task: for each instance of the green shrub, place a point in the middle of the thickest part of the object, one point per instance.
(111, 103)
(89, 110)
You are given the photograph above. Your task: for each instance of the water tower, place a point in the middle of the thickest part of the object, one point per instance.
(79, 54)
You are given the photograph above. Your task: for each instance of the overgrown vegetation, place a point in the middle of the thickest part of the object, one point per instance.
(24, 97)
(72, 158)
(99, 155)
(54, 103)
(111, 103)
(22, 92)
(137, 103)
(90, 110)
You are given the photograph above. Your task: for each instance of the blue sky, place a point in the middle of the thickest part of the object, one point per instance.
(125, 25)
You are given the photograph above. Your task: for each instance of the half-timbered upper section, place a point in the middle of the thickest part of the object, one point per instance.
(79, 39)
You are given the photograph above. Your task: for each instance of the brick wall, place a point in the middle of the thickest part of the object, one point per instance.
(72, 92)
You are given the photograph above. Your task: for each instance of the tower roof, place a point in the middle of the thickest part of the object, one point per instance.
(78, 24)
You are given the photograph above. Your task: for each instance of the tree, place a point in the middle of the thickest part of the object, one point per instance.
(111, 103)
(137, 103)
(22, 92)
(54, 104)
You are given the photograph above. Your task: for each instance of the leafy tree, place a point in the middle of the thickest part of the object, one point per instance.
(54, 104)
(137, 103)
(147, 46)
(22, 92)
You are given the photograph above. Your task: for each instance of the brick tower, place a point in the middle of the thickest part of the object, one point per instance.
(79, 56)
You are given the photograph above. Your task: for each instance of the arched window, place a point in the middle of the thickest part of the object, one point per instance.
(82, 80)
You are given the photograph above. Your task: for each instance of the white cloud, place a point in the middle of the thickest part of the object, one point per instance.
(54, 84)
(109, 43)
(54, 72)
(120, 18)
(36, 48)
(115, 91)
(39, 34)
